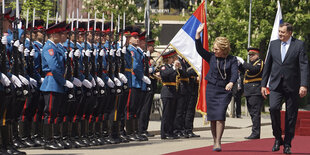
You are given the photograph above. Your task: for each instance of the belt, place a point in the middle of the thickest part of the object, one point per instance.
(169, 83)
(128, 70)
(184, 79)
(49, 74)
(252, 80)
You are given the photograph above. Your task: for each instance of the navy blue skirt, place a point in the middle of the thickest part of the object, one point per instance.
(217, 99)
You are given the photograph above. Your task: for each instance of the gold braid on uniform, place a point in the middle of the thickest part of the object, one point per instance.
(177, 79)
(253, 76)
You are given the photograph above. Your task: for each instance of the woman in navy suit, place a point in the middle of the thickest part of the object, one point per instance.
(222, 75)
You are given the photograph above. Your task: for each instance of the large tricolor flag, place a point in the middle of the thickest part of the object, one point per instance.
(184, 43)
(275, 31)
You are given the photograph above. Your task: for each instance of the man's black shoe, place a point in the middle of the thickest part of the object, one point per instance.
(11, 150)
(192, 135)
(147, 134)
(29, 142)
(277, 144)
(287, 149)
(252, 137)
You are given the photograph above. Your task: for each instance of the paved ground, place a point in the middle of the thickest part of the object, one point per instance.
(236, 130)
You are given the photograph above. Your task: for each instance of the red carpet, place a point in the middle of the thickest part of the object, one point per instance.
(300, 145)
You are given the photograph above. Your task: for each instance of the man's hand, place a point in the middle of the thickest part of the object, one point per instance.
(302, 91)
(264, 92)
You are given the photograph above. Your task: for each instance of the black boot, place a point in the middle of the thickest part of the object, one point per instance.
(113, 133)
(66, 127)
(136, 130)
(121, 134)
(84, 132)
(24, 130)
(17, 141)
(98, 133)
(37, 135)
(48, 136)
(57, 135)
(75, 135)
(7, 141)
(130, 131)
(91, 134)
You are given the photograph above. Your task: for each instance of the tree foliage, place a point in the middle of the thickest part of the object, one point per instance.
(134, 10)
(230, 18)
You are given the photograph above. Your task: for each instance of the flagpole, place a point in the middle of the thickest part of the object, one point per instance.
(249, 31)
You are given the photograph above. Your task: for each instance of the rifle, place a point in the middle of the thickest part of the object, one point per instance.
(123, 62)
(93, 57)
(102, 90)
(69, 72)
(146, 58)
(86, 62)
(110, 64)
(3, 55)
(78, 90)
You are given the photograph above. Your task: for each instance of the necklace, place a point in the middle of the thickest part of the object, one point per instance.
(218, 67)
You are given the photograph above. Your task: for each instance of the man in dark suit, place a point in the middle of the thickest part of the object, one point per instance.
(287, 66)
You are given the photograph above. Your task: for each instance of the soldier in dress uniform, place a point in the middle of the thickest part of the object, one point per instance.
(137, 76)
(169, 73)
(10, 107)
(53, 86)
(190, 109)
(146, 109)
(252, 80)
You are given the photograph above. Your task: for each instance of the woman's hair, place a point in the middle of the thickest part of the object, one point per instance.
(223, 43)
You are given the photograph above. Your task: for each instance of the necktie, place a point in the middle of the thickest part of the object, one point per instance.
(283, 50)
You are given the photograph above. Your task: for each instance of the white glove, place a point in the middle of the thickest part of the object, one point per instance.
(100, 82)
(77, 82)
(87, 53)
(240, 59)
(122, 77)
(118, 52)
(26, 52)
(83, 52)
(16, 43)
(101, 53)
(21, 48)
(124, 50)
(117, 82)
(95, 52)
(112, 52)
(77, 53)
(4, 40)
(110, 83)
(93, 82)
(32, 52)
(33, 82)
(146, 80)
(87, 84)
(5, 80)
(16, 81)
(68, 84)
(23, 80)
(148, 54)
(71, 54)
(151, 70)
(42, 79)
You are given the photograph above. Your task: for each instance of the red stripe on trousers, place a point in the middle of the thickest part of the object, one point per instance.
(24, 109)
(50, 108)
(128, 100)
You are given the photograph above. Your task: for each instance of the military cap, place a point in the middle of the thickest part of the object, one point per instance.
(142, 35)
(57, 28)
(169, 54)
(252, 50)
(150, 41)
(135, 31)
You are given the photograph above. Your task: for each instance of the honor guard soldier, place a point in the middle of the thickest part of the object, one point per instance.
(252, 80)
(10, 106)
(54, 83)
(169, 74)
